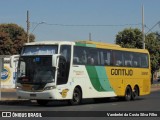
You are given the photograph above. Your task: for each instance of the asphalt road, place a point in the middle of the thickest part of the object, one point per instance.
(144, 103)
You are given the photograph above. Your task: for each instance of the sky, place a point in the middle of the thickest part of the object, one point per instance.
(71, 20)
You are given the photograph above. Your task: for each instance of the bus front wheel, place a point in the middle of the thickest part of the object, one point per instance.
(77, 97)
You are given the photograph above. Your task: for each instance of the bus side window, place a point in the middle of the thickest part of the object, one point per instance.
(118, 63)
(91, 56)
(136, 62)
(128, 57)
(117, 57)
(76, 60)
(144, 61)
(79, 55)
(107, 57)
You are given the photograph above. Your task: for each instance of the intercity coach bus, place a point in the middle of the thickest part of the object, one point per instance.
(72, 71)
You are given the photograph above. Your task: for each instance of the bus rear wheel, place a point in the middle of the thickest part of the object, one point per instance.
(42, 102)
(128, 94)
(77, 97)
(135, 93)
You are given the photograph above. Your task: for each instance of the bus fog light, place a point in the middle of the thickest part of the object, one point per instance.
(49, 87)
(19, 88)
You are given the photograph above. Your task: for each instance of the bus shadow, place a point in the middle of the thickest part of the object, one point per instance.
(88, 102)
(109, 100)
(65, 103)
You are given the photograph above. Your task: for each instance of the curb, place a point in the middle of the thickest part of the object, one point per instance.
(8, 90)
(157, 85)
(2, 99)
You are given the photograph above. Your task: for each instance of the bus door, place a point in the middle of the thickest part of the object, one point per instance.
(64, 64)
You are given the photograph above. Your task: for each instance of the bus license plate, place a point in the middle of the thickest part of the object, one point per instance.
(33, 95)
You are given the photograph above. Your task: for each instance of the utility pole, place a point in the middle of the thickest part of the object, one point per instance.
(28, 26)
(90, 39)
(143, 31)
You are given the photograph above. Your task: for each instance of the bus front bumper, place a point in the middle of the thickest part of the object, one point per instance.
(43, 95)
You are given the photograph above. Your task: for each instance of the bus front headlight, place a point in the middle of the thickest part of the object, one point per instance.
(19, 87)
(49, 87)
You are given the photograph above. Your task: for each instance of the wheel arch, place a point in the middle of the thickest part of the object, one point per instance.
(80, 88)
(128, 86)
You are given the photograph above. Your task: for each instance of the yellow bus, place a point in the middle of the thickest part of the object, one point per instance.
(60, 70)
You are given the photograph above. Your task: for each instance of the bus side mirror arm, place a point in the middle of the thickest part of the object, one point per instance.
(55, 58)
(13, 58)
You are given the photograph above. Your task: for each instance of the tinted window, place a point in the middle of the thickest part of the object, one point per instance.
(104, 57)
(144, 60)
(128, 58)
(86, 56)
(136, 60)
(80, 55)
(40, 50)
(117, 58)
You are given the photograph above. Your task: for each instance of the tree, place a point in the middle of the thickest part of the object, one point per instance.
(132, 38)
(5, 43)
(153, 46)
(12, 38)
(129, 38)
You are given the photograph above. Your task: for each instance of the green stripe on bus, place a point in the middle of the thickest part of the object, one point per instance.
(98, 78)
(84, 45)
(90, 45)
(80, 44)
(92, 72)
(101, 72)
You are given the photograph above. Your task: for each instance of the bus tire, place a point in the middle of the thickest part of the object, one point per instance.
(128, 94)
(42, 102)
(135, 93)
(77, 97)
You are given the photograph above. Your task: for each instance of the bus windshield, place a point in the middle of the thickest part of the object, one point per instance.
(36, 69)
(39, 50)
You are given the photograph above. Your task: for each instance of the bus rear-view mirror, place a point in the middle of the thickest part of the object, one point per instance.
(55, 58)
(13, 60)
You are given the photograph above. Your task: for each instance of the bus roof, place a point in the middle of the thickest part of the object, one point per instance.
(112, 46)
(49, 43)
(67, 42)
(98, 45)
